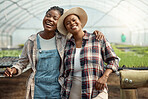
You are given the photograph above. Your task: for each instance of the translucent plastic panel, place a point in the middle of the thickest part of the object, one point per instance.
(131, 13)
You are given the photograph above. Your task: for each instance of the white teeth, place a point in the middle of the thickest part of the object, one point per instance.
(74, 27)
(49, 24)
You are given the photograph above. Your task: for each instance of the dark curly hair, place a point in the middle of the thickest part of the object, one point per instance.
(61, 10)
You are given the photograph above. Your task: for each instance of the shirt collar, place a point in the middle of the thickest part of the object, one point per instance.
(33, 36)
(85, 37)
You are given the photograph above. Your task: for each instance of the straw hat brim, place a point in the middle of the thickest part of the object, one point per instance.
(76, 10)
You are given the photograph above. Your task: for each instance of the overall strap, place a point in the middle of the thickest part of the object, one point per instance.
(38, 43)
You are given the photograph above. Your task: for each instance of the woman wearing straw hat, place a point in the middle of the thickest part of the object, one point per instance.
(44, 52)
(84, 73)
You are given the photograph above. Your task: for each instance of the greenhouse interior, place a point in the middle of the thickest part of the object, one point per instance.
(21, 18)
(124, 23)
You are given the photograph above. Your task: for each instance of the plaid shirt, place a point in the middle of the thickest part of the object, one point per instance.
(92, 57)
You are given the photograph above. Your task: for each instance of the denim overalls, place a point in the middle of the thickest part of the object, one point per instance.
(47, 73)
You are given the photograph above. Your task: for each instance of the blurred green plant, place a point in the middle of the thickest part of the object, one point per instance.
(21, 45)
(130, 56)
(11, 53)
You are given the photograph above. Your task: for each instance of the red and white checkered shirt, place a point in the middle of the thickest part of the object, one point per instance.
(92, 57)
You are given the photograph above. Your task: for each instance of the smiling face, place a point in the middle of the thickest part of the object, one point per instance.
(50, 20)
(72, 24)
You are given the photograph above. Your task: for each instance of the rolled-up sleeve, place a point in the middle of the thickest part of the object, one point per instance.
(23, 60)
(113, 64)
(110, 57)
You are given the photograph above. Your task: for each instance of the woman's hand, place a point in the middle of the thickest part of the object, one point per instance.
(99, 35)
(9, 72)
(101, 82)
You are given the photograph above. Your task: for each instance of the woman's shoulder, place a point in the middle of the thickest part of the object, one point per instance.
(92, 37)
(88, 33)
(33, 36)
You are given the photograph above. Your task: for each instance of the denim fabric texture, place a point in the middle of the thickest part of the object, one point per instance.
(46, 77)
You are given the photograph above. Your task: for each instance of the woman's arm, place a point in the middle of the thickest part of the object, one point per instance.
(101, 82)
(112, 61)
(21, 64)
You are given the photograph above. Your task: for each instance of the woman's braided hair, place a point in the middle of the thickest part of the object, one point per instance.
(56, 8)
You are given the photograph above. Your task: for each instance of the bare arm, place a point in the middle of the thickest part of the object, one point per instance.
(101, 82)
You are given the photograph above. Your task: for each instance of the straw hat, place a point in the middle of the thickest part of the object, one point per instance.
(76, 10)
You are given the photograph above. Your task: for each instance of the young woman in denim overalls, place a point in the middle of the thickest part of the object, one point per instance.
(45, 62)
(47, 73)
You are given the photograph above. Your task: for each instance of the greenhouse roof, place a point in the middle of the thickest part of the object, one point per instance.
(14, 13)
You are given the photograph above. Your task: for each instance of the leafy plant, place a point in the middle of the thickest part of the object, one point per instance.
(136, 56)
(11, 53)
